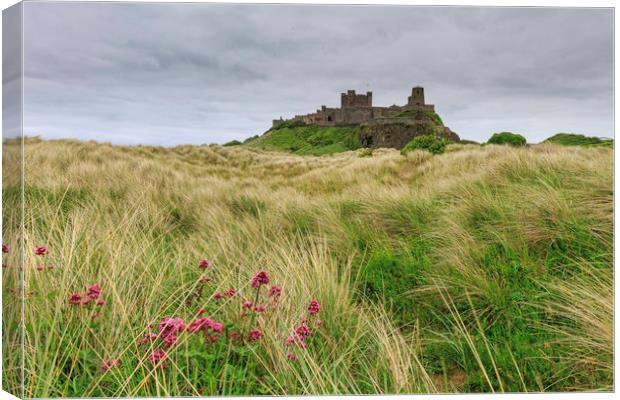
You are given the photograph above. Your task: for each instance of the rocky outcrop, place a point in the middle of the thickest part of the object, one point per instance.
(397, 133)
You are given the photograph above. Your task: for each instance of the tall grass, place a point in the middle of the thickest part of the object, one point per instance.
(478, 270)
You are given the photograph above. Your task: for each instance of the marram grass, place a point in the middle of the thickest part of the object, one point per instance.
(481, 269)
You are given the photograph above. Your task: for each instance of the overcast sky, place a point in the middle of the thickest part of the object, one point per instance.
(167, 74)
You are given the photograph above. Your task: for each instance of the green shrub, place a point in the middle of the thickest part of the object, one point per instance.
(513, 139)
(232, 143)
(425, 142)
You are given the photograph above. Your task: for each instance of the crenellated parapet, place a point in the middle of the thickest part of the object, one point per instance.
(357, 108)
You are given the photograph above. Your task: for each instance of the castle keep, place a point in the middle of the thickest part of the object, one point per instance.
(392, 126)
(357, 108)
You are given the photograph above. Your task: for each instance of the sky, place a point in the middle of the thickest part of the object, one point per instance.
(168, 74)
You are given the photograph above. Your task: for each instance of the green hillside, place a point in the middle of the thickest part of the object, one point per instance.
(308, 139)
(573, 139)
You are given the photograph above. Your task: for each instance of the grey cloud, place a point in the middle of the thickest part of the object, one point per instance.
(199, 73)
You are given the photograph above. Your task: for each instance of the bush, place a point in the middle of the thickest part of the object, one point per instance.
(425, 142)
(513, 139)
(232, 143)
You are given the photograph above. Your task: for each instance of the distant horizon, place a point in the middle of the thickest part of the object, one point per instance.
(103, 141)
(171, 73)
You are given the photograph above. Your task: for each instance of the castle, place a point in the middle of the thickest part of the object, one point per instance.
(357, 109)
(392, 126)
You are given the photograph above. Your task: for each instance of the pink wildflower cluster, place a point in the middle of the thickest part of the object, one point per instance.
(92, 293)
(206, 325)
(41, 251)
(169, 328)
(275, 291)
(259, 279)
(158, 356)
(303, 331)
(166, 336)
(255, 334)
(5, 248)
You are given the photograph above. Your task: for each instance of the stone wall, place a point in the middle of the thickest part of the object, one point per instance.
(397, 134)
(351, 99)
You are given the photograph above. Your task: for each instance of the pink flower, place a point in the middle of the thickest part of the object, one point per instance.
(94, 291)
(201, 323)
(170, 340)
(204, 263)
(291, 356)
(170, 326)
(158, 356)
(218, 296)
(255, 334)
(259, 279)
(205, 324)
(211, 339)
(5, 248)
(314, 307)
(201, 310)
(303, 330)
(75, 299)
(204, 279)
(40, 251)
(100, 302)
(107, 365)
(230, 292)
(259, 309)
(247, 304)
(86, 301)
(318, 322)
(275, 291)
(217, 327)
(148, 338)
(290, 340)
(234, 335)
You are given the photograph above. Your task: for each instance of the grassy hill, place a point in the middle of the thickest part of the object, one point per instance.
(481, 269)
(572, 139)
(308, 140)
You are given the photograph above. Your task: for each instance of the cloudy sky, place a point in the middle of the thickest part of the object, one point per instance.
(198, 73)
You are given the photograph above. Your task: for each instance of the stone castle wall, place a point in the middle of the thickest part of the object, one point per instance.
(357, 108)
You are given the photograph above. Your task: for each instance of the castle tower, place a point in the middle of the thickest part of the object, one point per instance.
(417, 96)
(352, 100)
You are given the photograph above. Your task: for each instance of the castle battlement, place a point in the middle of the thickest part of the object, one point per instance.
(350, 99)
(357, 108)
